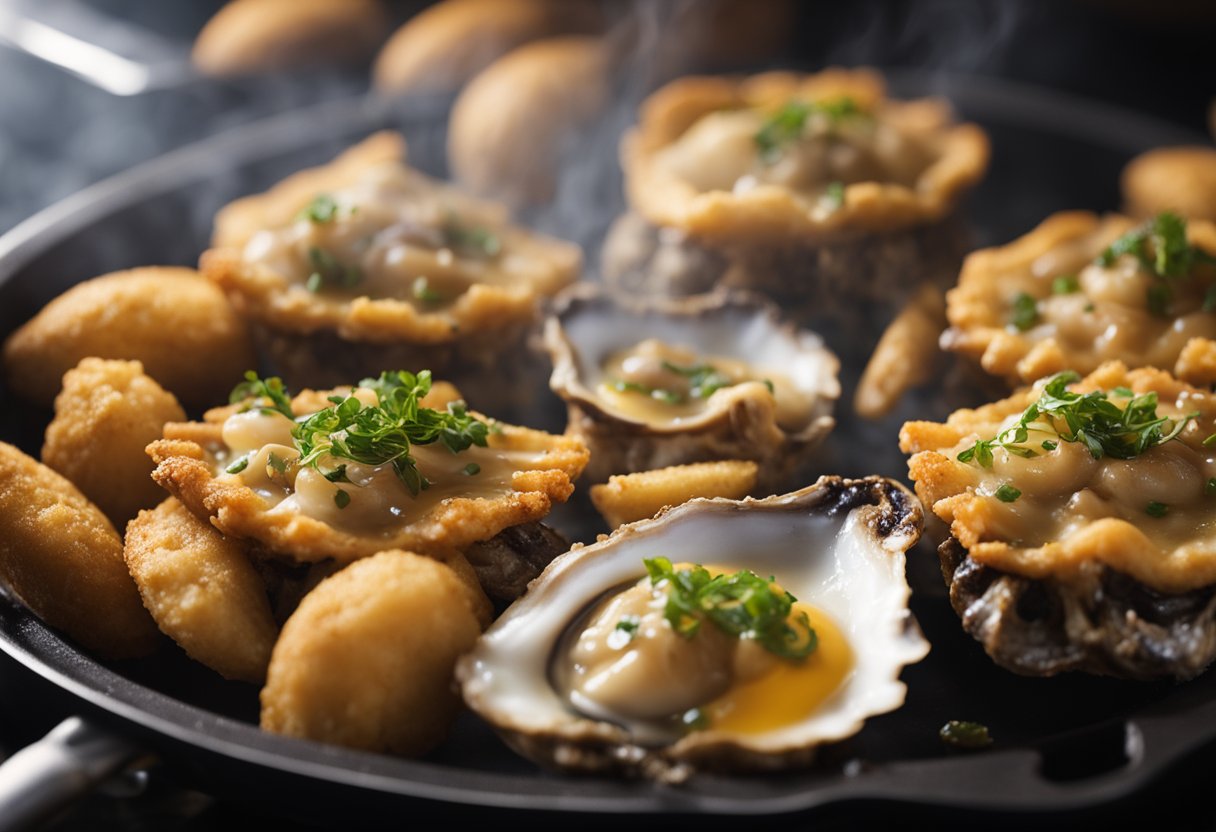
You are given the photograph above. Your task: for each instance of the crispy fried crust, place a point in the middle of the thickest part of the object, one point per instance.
(282, 303)
(366, 660)
(183, 469)
(629, 497)
(202, 590)
(106, 414)
(981, 526)
(979, 307)
(1181, 179)
(164, 316)
(60, 555)
(770, 213)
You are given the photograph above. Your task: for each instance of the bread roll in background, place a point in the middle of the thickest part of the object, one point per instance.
(511, 125)
(250, 36)
(444, 46)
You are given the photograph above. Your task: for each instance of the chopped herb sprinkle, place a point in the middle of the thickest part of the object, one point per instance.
(1156, 509)
(1007, 493)
(1065, 284)
(1025, 312)
(1092, 418)
(968, 735)
(785, 126)
(329, 272)
(741, 605)
(321, 210)
(341, 498)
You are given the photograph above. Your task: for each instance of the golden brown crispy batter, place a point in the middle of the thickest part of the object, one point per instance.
(1073, 509)
(366, 660)
(106, 414)
(1197, 362)
(1179, 179)
(501, 292)
(1106, 317)
(443, 46)
(248, 36)
(179, 325)
(186, 470)
(60, 555)
(202, 590)
(517, 116)
(905, 357)
(771, 212)
(629, 497)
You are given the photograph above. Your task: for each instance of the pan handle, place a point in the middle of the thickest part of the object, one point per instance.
(64, 765)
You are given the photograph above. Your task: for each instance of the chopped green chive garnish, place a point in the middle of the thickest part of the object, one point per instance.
(470, 240)
(1065, 284)
(271, 389)
(694, 719)
(238, 465)
(1091, 418)
(321, 210)
(1025, 312)
(379, 434)
(422, 291)
(472, 469)
(1210, 441)
(1156, 509)
(341, 498)
(969, 735)
(703, 379)
(1124, 392)
(1007, 493)
(833, 197)
(785, 126)
(275, 463)
(742, 604)
(629, 625)
(1210, 487)
(1049, 445)
(328, 271)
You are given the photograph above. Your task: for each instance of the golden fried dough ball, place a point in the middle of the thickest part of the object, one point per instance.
(629, 497)
(514, 119)
(445, 45)
(106, 414)
(366, 660)
(1179, 179)
(172, 319)
(62, 557)
(202, 590)
(248, 36)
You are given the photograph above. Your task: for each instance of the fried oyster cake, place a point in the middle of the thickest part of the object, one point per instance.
(816, 189)
(365, 262)
(1082, 289)
(1082, 516)
(348, 473)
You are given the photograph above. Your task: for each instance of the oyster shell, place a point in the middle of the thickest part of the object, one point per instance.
(837, 546)
(774, 411)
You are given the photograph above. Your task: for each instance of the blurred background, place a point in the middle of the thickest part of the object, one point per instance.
(94, 87)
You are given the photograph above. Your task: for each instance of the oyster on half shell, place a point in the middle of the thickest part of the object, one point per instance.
(728, 380)
(838, 546)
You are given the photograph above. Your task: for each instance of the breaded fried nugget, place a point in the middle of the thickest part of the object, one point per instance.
(173, 320)
(106, 414)
(202, 590)
(366, 660)
(62, 557)
(626, 498)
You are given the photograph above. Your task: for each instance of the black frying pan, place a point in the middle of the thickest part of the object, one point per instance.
(1065, 743)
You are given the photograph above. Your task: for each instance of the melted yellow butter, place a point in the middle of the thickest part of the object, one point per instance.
(789, 691)
(658, 674)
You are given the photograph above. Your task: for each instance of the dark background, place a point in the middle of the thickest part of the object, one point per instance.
(58, 135)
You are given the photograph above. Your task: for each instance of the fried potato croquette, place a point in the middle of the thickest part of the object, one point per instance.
(1180, 179)
(63, 559)
(629, 497)
(202, 590)
(366, 660)
(248, 36)
(106, 414)
(172, 319)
